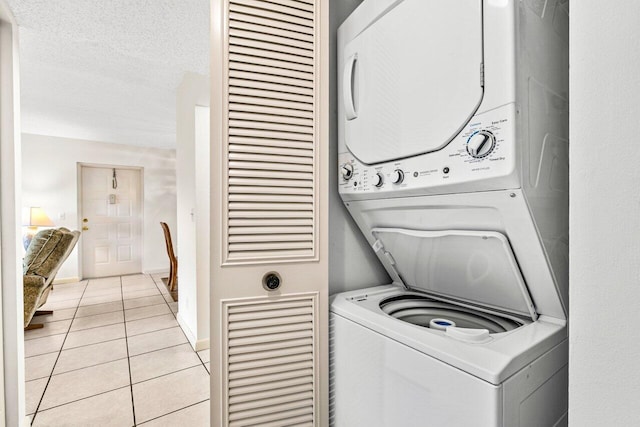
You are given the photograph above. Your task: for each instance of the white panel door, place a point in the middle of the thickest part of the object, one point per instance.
(269, 347)
(111, 222)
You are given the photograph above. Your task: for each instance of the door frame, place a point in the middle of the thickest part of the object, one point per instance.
(140, 169)
(12, 384)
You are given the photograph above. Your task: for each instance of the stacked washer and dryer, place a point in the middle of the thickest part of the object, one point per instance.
(453, 158)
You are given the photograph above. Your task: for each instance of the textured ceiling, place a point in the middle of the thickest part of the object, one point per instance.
(107, 70)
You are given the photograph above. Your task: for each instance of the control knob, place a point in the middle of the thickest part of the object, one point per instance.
(397, 176)
(378, 180)
(481, 144)
(347, 171)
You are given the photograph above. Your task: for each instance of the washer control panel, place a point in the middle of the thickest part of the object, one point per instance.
(484, 149)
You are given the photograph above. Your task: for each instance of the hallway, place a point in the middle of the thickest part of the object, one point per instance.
(112, 354)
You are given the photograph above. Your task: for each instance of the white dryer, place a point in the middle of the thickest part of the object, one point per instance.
(453, 154)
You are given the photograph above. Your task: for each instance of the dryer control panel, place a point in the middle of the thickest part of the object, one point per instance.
(483, 151)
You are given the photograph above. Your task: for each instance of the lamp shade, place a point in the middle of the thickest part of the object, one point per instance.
(37, 218)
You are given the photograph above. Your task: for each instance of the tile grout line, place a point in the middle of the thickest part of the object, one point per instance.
(163, 348)
(126, 338)
(35, 413)
(91, 366)
(167, 374)
(173, 412)
(84, 398)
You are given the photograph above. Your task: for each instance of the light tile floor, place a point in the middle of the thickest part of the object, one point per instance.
(112, 354)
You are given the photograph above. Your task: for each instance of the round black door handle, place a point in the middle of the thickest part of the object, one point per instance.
(271, 281)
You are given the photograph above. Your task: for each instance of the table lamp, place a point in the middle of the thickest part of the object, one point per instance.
(37, 218)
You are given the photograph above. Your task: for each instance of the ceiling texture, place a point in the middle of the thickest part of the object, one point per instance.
(107, 70)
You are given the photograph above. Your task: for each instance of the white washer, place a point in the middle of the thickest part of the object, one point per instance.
(453, 154)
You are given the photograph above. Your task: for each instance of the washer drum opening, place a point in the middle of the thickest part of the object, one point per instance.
(426, 312)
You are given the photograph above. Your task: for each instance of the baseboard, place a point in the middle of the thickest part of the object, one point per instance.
(197, 345)
(156, 271)
(202, 344)
(64, 280)
(186, 330)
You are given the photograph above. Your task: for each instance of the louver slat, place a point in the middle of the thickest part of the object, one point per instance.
(268, 380)
(249, 222)
(277, 419)
(257, 348)
(245, 392)
(278, 67)
(303, 155)
(291, 388)
(295, 54)
(270, 365)
(282, 60)
(245, 24)
(274, 96)
(238, 16)
(285, 108)
(239, 183)
(271, 118)
(275, 18)
(262, 140)
(278, 40)
(271, 188)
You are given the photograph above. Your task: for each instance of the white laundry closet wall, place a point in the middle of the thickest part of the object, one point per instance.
(191, 238)
(352, 263)
(604, 378)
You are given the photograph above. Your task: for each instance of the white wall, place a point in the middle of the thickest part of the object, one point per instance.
(50, 180)
(352, 263)
(604, 372)
(193, 232)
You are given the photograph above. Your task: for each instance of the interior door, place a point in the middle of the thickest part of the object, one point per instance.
(269, 305)
(111, 221)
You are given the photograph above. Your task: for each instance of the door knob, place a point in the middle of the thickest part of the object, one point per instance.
(271, 281)
(85, 220)
(85, 228)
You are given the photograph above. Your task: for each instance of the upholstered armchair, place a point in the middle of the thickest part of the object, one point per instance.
(45, 255)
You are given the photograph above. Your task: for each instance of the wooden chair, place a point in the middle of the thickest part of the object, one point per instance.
(173, 261)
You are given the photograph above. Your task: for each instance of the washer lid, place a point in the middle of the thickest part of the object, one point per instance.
(412, 79)
(477, 267)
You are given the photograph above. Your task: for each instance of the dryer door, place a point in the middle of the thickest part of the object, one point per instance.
(412, 79)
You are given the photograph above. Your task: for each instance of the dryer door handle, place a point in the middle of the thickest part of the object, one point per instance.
(348, 87)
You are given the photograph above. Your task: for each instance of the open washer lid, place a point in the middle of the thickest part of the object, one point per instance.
(412, 79)
(477, 267)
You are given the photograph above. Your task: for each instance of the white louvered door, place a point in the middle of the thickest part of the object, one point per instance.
(269, 348)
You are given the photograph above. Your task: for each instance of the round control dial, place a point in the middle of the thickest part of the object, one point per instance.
(347, 171)
(378, 180)
(397, 176)
(481, 144)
